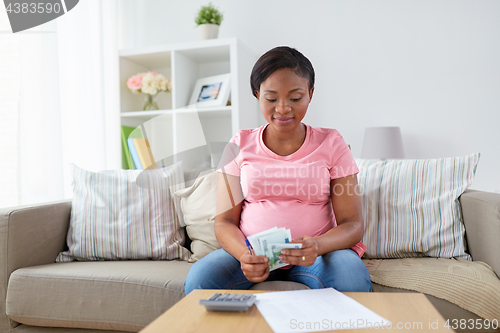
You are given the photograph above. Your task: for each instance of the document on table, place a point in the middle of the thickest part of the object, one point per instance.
(315, 310)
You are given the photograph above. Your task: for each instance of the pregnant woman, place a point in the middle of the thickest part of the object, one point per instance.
(287, 174)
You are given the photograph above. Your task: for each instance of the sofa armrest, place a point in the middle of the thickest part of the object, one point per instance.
(481, 214)
(33, 234)
(30, 235)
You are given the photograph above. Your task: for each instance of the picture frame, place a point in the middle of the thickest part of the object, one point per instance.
(211, 91)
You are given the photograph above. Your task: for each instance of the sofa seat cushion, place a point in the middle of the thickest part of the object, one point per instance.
(472, 285)
(107, 295)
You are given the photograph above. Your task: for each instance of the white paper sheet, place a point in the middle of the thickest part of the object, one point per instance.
(315, 310)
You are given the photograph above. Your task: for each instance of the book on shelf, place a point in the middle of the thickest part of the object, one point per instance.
(133, 152)
(127, 160)
(144, 151)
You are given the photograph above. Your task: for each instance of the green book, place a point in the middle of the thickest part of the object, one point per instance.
(127, 162)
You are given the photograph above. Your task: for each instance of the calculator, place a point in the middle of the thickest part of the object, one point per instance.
(229, 302)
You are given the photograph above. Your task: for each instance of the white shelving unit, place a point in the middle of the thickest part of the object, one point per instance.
(175, 129)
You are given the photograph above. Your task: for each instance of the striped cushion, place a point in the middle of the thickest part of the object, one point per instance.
(411, 207)
(117, 214)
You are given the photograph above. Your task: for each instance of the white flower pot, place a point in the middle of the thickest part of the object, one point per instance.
(208, 31)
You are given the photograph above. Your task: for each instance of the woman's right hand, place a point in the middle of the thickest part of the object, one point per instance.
(255, 268)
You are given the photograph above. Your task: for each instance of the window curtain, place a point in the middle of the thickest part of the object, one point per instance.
(9, 99)
(67, 105)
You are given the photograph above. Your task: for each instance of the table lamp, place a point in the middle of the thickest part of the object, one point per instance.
(382, 143)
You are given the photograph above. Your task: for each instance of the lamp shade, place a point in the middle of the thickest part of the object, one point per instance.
(383, 143)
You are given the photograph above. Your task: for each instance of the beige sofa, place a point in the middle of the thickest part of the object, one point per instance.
(39, 295)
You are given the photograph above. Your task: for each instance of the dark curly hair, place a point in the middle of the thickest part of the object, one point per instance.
(277, 58)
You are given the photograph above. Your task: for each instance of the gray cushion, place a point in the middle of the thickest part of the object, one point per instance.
(107, 295)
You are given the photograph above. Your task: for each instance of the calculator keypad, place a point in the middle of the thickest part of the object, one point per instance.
(228, 302)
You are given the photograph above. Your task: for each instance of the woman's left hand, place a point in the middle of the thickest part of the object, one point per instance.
(306, 256)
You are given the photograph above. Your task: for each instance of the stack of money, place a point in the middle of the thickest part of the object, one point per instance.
(270, 242)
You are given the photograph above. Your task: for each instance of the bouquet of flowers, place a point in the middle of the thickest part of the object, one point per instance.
(150, 84)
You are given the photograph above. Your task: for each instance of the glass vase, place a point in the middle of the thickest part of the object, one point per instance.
(149, 103)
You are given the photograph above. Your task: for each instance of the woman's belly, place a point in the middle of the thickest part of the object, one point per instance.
(303, 219)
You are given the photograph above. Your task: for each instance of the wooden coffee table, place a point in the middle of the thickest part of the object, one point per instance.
(412, 310)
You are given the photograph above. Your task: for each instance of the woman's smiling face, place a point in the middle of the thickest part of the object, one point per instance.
(284, 98)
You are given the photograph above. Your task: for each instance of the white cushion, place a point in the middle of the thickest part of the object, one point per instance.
(198, 207)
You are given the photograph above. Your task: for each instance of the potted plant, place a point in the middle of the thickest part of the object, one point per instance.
(208, 20)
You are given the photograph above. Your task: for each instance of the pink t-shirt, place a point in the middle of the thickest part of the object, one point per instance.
(290, 191)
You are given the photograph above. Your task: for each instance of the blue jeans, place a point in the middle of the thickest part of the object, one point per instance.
(342, 270)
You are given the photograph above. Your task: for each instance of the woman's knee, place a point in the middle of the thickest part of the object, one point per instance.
(214, 271)
(348, 272)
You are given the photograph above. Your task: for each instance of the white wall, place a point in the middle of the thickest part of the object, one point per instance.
(430, 67)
